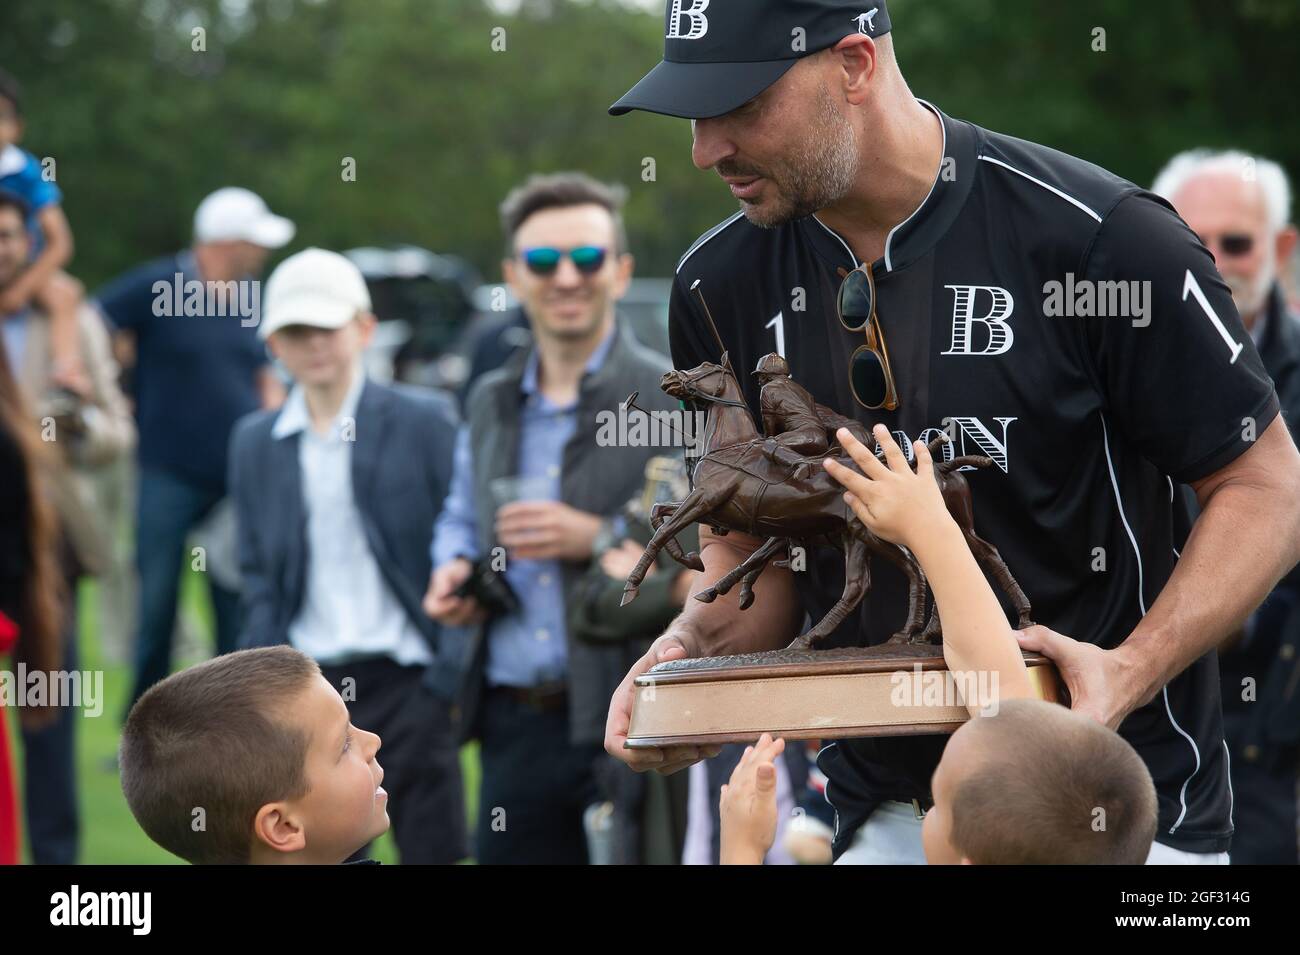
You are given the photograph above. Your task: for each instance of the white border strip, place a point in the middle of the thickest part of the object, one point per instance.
(1070, 199)
(943, 155)
(852, 258)
(705, 238)
(1110, 465)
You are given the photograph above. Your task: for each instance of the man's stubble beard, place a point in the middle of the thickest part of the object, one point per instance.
(592, 329)
(820, 171)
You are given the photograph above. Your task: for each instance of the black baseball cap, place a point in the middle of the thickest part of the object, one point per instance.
(720, 54)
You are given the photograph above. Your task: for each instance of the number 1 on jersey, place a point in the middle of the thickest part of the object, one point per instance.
(1191, 285)
(779, 321)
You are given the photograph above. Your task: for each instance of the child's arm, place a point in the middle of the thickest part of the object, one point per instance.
(908, 509)
(747, 808)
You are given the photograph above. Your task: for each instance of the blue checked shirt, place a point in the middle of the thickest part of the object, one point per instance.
(527, 647)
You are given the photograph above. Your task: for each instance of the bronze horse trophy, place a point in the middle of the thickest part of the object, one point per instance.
(738, 487)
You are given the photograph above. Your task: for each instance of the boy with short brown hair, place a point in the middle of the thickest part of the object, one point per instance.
(251, 757)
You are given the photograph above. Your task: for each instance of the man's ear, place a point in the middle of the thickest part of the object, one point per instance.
(277, 828)
(624, 266)
(366, 324)
(1285, 245)
(510, 273)
(857, 56)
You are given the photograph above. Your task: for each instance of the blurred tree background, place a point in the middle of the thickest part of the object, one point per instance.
(441, 125)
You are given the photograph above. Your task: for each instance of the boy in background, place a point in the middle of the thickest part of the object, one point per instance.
(335, 493)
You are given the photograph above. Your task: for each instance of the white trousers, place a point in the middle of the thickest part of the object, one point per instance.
(892, 836)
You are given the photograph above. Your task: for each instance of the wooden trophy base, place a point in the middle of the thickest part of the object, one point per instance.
(886, 690)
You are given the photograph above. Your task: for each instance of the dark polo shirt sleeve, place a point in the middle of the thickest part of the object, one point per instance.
(685, 330)
(1183, 380)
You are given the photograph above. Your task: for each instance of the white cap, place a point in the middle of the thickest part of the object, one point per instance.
(313, 287)
(232, 215)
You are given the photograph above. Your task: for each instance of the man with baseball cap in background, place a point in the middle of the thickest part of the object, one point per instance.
(185, 327)
(335, 494)
(867, 214)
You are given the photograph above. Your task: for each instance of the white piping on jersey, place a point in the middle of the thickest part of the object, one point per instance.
(943, 154)
(706, 237)
(1122, 516)
(1232, 801)
(1182, 793)
(1110, 465)
(1171, 503)
(852, 258)
(1070, 199)
(826, 790)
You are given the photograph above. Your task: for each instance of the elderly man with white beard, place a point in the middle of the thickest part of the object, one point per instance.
(1240, 207)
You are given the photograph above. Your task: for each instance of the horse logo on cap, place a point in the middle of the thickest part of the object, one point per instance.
(863, 20)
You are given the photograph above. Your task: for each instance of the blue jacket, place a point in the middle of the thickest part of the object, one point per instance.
(401, 469)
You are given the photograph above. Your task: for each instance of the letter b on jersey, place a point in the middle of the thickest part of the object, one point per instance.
(985, 305)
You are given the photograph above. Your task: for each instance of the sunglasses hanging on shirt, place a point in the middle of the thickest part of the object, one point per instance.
(870, 376)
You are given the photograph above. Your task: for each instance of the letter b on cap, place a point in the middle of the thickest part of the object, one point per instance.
(698, 23)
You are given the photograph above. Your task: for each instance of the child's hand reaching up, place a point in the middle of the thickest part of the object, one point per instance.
(748, 804)
(907, 508)
(894, 502)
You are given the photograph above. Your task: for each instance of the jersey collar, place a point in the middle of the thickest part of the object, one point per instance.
(919, 232)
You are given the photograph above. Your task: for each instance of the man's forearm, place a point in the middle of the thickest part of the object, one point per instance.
(721, 627)
(1244, 542)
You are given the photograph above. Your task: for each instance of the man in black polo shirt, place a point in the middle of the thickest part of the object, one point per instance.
(1039, 310)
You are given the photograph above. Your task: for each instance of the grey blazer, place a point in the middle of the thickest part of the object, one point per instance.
(401, 470)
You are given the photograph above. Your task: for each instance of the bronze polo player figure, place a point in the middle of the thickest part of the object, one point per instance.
(752, 484)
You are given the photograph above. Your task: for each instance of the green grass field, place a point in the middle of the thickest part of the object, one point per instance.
(109, 834)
